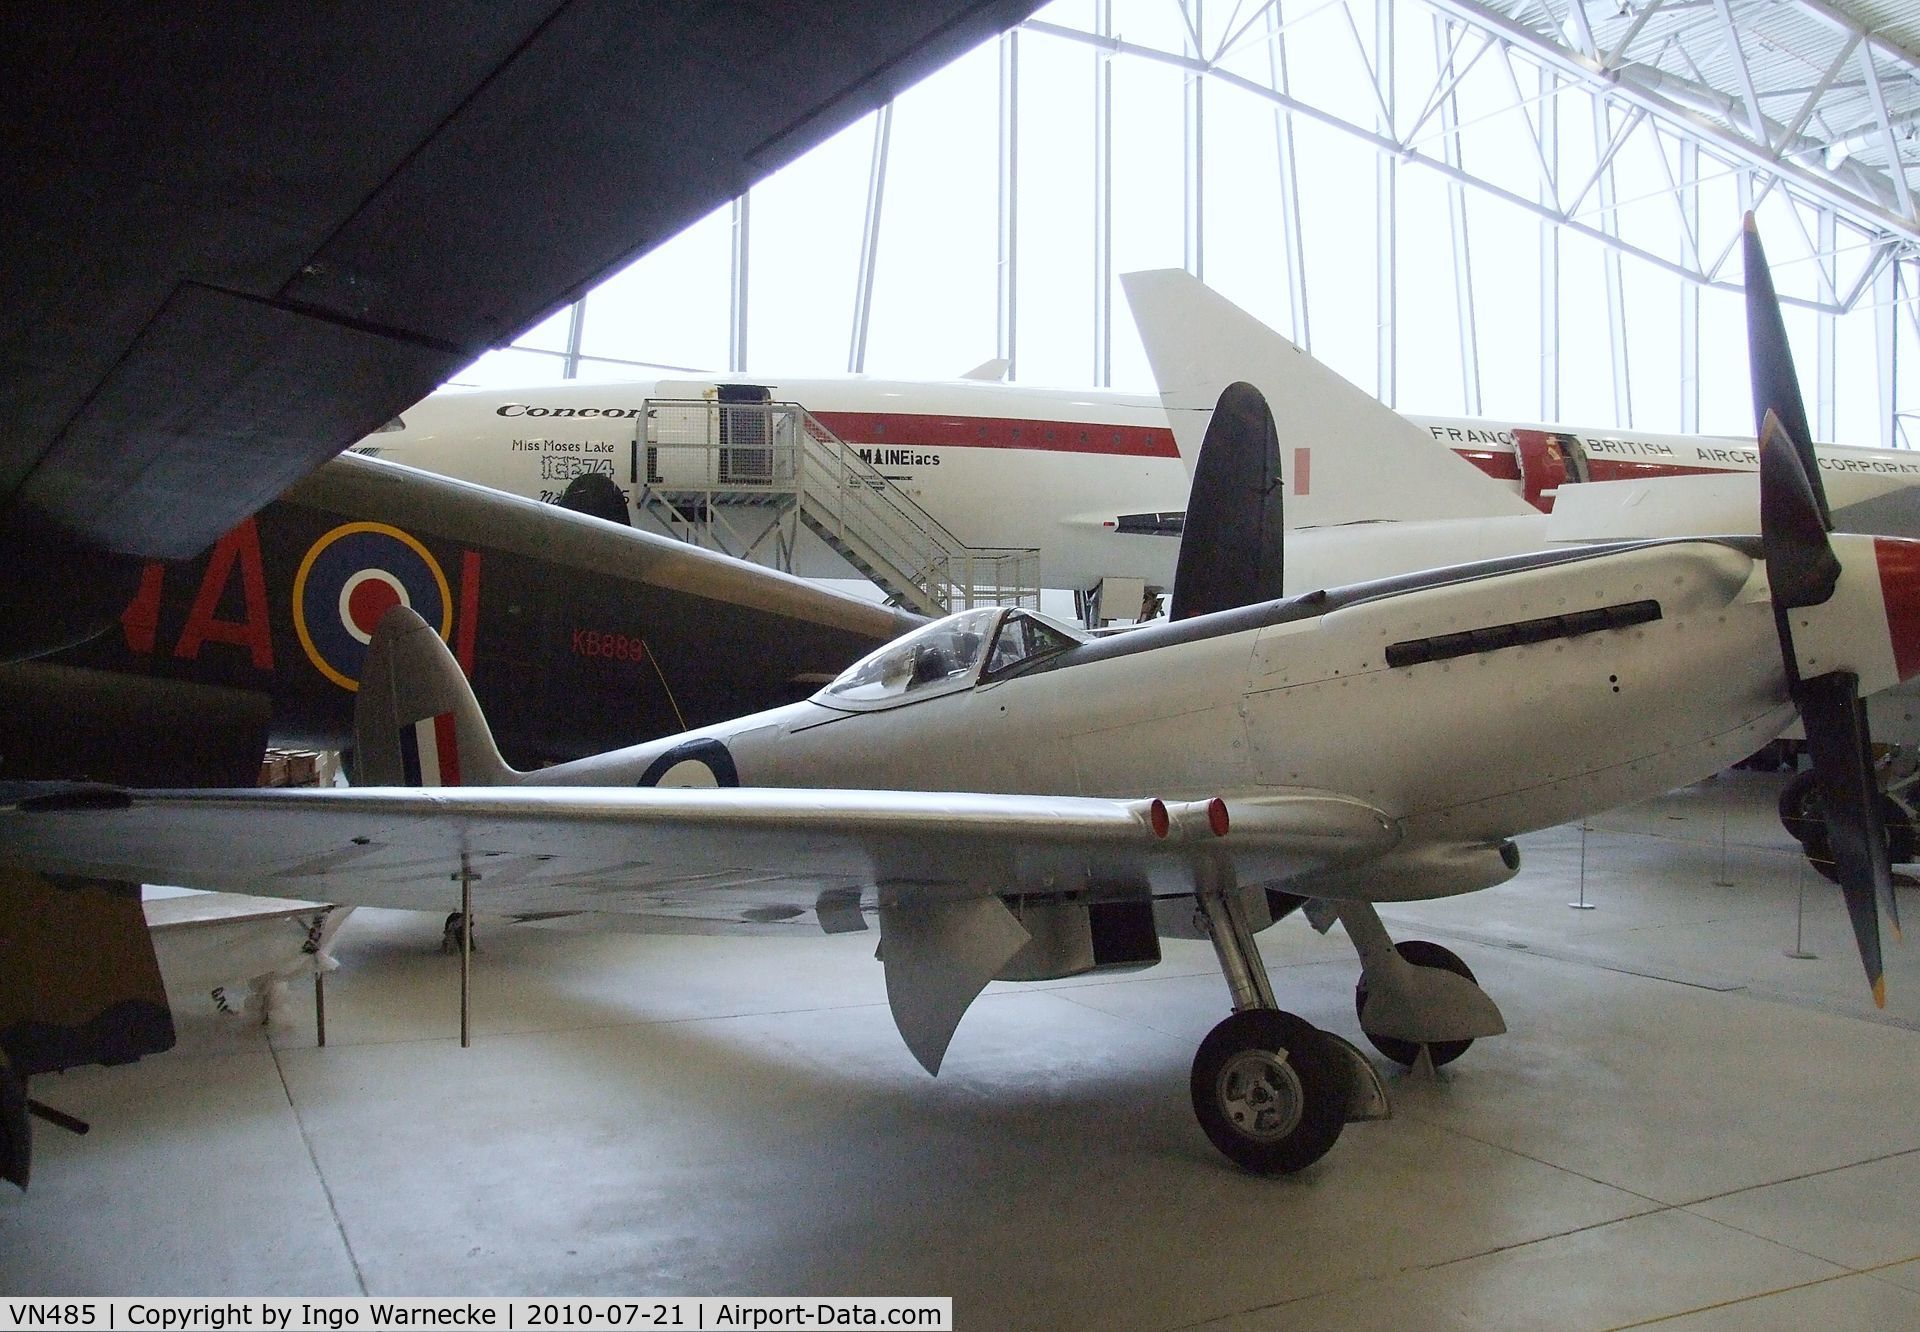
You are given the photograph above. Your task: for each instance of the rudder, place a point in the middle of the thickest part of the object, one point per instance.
(416, 721)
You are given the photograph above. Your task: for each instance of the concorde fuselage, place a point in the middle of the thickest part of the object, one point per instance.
(1068, 471)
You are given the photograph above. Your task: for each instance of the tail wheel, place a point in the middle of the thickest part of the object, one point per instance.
(1802, 816)
(1268, 1091)
(1421, 953)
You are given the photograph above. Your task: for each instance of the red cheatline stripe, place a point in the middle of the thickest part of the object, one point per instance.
(1899, 563)
(446, 744)
(1603, 469)
(1499, 466)
(884, 430)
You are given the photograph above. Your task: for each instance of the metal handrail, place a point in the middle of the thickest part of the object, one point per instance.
(774, 449)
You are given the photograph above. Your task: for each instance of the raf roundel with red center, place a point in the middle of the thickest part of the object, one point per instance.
(368, 601)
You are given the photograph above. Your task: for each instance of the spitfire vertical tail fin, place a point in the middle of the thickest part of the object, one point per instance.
(1345, 457)
(1232, 549)
(416, 721)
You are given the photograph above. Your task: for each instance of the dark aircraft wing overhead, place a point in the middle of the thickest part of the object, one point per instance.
(234, 239)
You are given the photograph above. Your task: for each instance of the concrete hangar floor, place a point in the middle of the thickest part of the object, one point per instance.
(1684, 1125)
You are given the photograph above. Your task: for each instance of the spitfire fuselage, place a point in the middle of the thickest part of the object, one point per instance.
(1590, 679)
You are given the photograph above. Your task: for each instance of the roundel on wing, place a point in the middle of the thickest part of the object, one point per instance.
(351, 577)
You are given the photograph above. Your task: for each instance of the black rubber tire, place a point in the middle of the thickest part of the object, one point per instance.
(1801, 815)
(1421, 953)
(1315, 1069)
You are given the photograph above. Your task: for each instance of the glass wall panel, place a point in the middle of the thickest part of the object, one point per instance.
(1337, 229)
(1653, 344)
(1856, 375)
(1246, 228)
(1506, 301)
(671, 305)
(1054, 295)
(934, 280)
(1149, 201)
(550, 334)
(804, 242)
(1498, 138)
(1426, 313)
(1726, 391)
(510, 367)
(1586, 337)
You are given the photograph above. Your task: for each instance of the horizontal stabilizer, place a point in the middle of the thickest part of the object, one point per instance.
(1345, 458)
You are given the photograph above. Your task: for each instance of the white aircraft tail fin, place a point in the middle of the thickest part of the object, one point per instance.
(1344, 457)
(416, 721)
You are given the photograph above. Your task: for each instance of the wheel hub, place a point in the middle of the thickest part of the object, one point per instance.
(1260, 1094)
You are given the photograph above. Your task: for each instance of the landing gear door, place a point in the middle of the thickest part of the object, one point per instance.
(1548, 460)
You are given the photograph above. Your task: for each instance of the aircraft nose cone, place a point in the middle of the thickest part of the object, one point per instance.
(1899, 563)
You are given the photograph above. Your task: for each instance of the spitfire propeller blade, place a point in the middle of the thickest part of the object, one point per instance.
(1801, 565)
(1776, 387)
(1231, 546)
(1836, 725)
(1802, 572)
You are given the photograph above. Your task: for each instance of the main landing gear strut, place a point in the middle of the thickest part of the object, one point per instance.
(1271, 1090)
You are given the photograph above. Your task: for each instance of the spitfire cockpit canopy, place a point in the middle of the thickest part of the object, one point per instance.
(986, 643)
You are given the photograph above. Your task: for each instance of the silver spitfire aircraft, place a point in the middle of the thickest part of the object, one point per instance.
(1007, 797)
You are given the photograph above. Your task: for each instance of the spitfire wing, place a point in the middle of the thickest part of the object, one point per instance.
(722, 854)
(954, 879)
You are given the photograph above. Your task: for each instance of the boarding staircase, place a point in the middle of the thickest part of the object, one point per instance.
(745, 478)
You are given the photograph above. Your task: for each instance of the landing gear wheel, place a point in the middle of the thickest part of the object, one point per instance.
(1268, 1092)
(1421, 953)
(1802, 816)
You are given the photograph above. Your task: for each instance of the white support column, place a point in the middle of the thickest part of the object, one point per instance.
(1603, 148)
(1103, 199)
(737, 306)
(1193, 173)
(576, 331)
(1007, 271)
(1826, 372)
(1386, 237)
(870, 240)
(1689, 198)
(1887, 288)
(1549, 249)
(1289, 181)
(1449, 109)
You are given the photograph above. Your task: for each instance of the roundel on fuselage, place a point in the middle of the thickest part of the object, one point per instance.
(696, 763)
(351, 577)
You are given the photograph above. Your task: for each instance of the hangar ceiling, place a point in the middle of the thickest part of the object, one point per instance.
(1543, 224)
(1826, 97)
